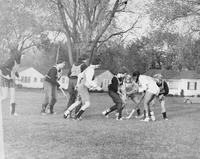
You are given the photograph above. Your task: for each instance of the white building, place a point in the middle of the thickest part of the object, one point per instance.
(30, 78)
(185, 83)
(103, 78)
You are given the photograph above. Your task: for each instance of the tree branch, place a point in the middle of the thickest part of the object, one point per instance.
(121, 32)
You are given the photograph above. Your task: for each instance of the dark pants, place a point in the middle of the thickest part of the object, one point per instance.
(50, 96)
(118, 103)
(72, 93)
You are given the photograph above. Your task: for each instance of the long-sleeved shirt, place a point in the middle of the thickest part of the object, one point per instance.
(86, 77)
(7, 67)
(145, 82)
(76, 69)
(52, 76)
(115, 84)
(164, 89)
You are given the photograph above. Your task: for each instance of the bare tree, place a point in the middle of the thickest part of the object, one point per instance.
(86, 21)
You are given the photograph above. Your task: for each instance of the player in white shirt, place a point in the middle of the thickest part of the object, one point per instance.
(85, 81)
(148, 86)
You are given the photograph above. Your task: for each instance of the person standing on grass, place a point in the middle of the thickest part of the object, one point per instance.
(164, 90)
(75, 70)
(50, 86)
(148, 86)
(115, 93)
(85, 81)
(8, 75)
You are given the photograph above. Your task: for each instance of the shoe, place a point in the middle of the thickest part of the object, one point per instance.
(104, 113)
(165, 118)
(15, 114)
(153, 118)
(43, 112)
(119, 118)
(139, 116)
(147, 119)
(66, 114)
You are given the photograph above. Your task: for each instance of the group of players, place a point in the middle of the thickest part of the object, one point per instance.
(139, 88)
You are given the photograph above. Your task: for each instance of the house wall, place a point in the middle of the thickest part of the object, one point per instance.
(190, 87)
(30, 78)
(104, 79)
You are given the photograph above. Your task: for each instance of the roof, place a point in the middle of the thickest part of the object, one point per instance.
(171, 74)
(20, 69)
(189, 74)
(100, 71)
(167, 74)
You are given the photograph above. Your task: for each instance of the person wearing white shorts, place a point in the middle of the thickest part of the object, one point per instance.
(148, 86)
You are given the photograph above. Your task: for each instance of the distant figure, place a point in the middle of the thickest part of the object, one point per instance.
(50, 86)
(164, 90)
(75, 70)
(8, 75)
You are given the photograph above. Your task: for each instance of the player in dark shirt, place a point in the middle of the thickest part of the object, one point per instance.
(8, 74)
(115, 94)
(164, 90)
(50, 86)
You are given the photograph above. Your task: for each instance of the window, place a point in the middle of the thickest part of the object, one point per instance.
(173, 84)
(28, 79)
(41, 79)
(35, 79)
(22, 79)
(25, 79)
(192, 86)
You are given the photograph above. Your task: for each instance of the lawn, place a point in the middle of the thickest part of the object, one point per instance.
(32, 136)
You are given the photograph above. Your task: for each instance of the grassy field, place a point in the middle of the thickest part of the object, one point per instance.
(32, 136)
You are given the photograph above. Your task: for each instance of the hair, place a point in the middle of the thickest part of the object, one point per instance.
(158, 75)
(136, 74)
(96, 61)
(60, 61)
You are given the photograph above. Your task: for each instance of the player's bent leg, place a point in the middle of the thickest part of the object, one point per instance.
(82, 110)
(12, 102)
(72, 107)
(163, 109)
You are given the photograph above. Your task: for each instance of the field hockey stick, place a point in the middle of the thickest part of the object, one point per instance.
(63, 92)
(133, 110)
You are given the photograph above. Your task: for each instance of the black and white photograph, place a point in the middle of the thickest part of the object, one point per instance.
(99, 79)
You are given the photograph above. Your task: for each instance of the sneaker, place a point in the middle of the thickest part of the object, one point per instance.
(104, 113)
(119, 119)
(147, 119)
(165, 118)
(43, 112)
(139, 116)
(153, 118)
(66, 114)
(15, 114)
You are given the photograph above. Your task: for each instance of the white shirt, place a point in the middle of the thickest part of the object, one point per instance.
(147, 83)
(85, 78)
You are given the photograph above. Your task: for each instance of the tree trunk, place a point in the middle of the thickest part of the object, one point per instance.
(67, 33)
